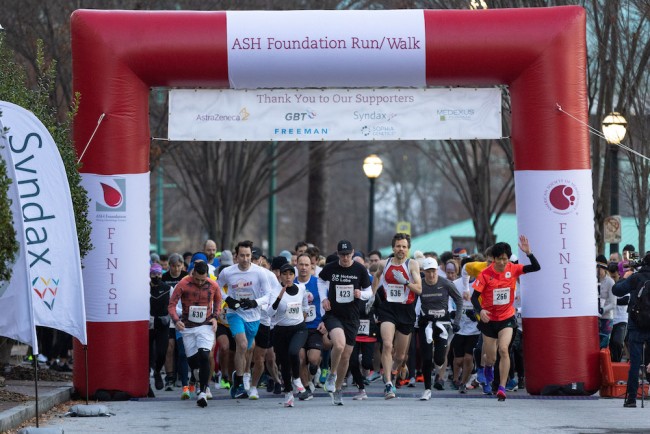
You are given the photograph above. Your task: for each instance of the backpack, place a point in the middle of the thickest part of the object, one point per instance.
(640, 311)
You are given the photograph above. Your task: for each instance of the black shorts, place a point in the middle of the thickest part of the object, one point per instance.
(263, 337)
(491, 329)
(350, 327)
(314, 340)
(223, 330)
(463, 344)
(402, 315)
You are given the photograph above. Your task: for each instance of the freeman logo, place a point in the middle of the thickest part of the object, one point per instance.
(561, 197)
(114, 197)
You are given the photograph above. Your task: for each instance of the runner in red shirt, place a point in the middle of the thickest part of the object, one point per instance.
(494, 297)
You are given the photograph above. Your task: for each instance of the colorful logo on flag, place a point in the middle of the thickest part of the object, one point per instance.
(46, 289)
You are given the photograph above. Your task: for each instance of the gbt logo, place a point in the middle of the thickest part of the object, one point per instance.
(300, 116)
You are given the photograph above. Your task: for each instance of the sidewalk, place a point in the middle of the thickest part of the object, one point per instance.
(17, 403)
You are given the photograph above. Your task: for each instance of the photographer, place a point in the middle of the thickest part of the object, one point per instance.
(629, 284)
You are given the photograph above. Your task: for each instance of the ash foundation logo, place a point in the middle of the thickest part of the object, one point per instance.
(113, 196)
(561, 196)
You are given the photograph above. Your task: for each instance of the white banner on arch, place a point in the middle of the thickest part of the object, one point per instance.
(334, 114)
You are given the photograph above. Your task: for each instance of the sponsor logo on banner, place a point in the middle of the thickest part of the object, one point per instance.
(300, 116)
(113, 197)
(243, 115)
(46, 289)
(561, 197)
(455, 114)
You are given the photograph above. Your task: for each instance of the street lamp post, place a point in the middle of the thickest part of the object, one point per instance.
(372, 167)
(614, 129)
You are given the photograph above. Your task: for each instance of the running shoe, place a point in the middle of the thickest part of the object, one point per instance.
(630, 403)
(323, 376)
(158, 381)
(330, 383)
(501, 393)
(297, 385)
(306, 395)
(337, 398)
(411, 382)
(224, 384)
(247, 380)
(202, 400)
(521, 383)
(454, 386)
(488, 371)
(208, 392)
(389, 393)
(462, 388)
(169, 385)
(511, 385)
(362, 395)
(186, 393)
(192, 390)
(270, 385)
(374, 376)
(419, 379)
(41, 358)
(439, 384)
(480, 376)
(277, 389)
(288, 399)
(240, 392)
(487, 389)
(253, 394)
(426, 395)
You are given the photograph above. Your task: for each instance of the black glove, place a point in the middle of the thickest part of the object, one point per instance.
(248, 304)
(600, 310)
(455, 327)
(232, 303)
(471, 315)
(452, 314)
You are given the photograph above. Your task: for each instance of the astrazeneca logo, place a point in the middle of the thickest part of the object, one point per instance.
(113, 196)
(561, 196)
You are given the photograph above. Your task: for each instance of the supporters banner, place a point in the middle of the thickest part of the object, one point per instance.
(49, 233)
(116, 271)
(334, 114)
(17, 319)
(352, 49)
(552, 208)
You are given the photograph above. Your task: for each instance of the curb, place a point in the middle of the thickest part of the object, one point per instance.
(12, 418)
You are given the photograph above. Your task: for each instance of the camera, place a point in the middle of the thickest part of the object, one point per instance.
(633, 260)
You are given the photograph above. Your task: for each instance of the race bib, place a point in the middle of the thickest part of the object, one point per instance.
(501, 296)
(344, 293)
(437, 313)
(311, 313)
(395, 293)
(364, 327)
(294, 311)
(242, 294)
(197, 314)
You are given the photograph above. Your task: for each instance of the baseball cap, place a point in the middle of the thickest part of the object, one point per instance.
(601, 261)
(429, 263)
(256, 252)
(460, 252)
(287, 267)
(156, 269)
(344, 247)
(226, 257)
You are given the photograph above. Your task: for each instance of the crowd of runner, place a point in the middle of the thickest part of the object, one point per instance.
(241, 321)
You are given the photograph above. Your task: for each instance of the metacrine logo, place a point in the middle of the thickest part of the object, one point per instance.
(113, 196)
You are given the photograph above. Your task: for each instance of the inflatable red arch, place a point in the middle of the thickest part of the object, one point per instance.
(540, 54)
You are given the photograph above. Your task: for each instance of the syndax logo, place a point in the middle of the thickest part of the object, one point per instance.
(114, 196)
(46, 290)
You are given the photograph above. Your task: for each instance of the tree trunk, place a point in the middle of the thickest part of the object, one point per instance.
(317, 196)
